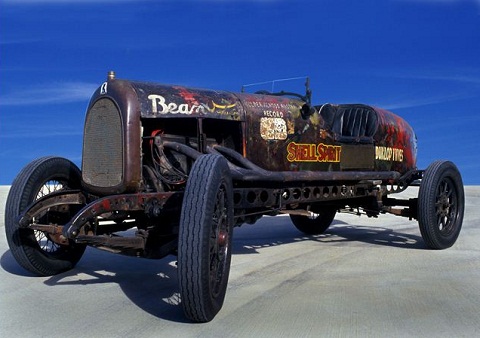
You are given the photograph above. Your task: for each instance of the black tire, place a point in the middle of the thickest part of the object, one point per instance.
(205, 238)
(315, 225)
(34, 250)
(441, 201)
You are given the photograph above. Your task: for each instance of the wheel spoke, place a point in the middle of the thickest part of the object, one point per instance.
(449, 193)
(446, 208)
(48, 188)
(42, 238)
(45, 243)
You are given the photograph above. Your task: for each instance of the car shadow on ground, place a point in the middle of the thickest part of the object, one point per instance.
(152, 285)
(247, 241)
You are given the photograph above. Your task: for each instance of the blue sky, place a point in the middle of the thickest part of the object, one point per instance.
(418, 58)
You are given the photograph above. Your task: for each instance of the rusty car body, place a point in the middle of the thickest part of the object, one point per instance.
(172, 170)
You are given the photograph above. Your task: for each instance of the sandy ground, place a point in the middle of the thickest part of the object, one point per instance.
(365, 277)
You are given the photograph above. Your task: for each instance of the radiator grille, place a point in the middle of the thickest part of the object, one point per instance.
(102, 164)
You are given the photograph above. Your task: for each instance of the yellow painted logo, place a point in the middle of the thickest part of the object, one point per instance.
(306, 152)
(388, 154)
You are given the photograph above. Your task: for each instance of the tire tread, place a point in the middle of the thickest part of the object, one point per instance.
(427, 195)
(197, 205)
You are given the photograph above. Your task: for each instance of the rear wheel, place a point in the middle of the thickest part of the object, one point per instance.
(35, 250)
(441, 202)
(315, 224)
(205, 238)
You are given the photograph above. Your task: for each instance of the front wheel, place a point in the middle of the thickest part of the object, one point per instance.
(441, 202)
(205, 238)
(35, 250)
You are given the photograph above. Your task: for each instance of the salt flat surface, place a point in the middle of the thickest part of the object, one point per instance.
(364, 277)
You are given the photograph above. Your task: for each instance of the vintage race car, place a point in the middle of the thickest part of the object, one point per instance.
(172, 170)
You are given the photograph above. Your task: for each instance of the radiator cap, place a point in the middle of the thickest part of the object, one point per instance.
(111, 75)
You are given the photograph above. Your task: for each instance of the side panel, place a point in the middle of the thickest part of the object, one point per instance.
(278, 138)
(162, 101)
(395, 143)
(337, 138)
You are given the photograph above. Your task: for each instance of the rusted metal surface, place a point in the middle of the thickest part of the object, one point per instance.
(395, 143)
(272, 123)
(124, 97)
(277, 136)
(55, 232)
(131, 245)
(253, 173)
(163, 101)
(58, 200)
(109, 204)
(282, 141)
(314, 176)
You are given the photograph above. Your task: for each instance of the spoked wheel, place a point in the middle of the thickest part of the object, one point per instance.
(205, 238)
(35, 250)
(315, 224)
(441, 202)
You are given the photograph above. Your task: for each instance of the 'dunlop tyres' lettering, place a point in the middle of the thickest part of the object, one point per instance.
(388, 154)
(305, 152)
